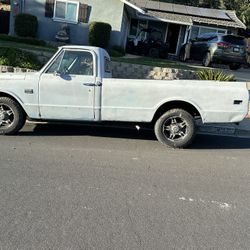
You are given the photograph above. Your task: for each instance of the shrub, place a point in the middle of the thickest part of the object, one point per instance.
(115, 53)
(99, 34)
(215, 75)
(18, 58)
(31, 41)
(26, 25)
(119, 49)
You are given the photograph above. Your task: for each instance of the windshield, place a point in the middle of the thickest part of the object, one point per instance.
(234, 40)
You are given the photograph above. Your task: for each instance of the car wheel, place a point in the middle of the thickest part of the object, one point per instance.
(163, 54)
(154, 53)
(176, 128)
(12, 117)
(234, 66)
(206, 61)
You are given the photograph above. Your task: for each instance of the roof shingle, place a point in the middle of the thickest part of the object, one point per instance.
(188, 14)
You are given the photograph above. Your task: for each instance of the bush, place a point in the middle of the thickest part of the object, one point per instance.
(119, 49)
(18, 58)
(215, 75)
(26, 25)
(115, 53)
(31, 41)
(99, 34)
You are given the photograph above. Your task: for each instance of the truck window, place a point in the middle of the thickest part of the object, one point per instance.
(73, 63)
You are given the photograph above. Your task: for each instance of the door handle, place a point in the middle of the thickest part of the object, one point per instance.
(89, 84)
(98, 84)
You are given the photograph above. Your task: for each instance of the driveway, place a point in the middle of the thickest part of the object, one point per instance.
(241, 74)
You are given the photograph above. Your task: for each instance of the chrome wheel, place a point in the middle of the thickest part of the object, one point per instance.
(6, 116)
(12, 116)
(175, 128)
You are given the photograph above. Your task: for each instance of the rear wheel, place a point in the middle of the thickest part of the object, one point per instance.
(234, 66)
(206, 61)
(176, 128)
(12, 117)
(154, 53)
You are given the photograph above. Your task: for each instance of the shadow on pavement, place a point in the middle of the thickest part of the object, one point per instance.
(201, 142)
(89, 130)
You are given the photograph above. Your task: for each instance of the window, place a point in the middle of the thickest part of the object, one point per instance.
(66, 10)
(207, 37)
(234, 40)
(107, 65)
(197, 31)
(73, 63)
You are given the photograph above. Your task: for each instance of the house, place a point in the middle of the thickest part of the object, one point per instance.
(177, 23)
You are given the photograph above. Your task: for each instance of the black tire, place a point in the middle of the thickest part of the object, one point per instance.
(154, 53)
(12, 116)
(234, 66)
(206, 61)
(163, 54)
(184, 128)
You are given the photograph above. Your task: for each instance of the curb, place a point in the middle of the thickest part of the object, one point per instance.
(241, 130)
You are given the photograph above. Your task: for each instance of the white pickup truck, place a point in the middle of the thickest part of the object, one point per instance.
(77, 85)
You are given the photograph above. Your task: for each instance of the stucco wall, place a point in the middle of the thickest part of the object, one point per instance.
(110, 11)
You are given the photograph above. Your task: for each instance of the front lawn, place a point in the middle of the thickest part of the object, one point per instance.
(5, 43)
(18, 58)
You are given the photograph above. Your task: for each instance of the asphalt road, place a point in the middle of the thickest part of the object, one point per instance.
(70, 188)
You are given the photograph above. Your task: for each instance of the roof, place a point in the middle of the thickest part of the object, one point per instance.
(184, 14)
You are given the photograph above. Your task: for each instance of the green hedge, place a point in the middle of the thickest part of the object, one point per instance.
(99, 34)
(31, 41)
(116, 51)
(26, 25)
(18, 58)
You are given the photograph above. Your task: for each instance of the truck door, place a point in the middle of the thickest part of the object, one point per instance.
(67, 87)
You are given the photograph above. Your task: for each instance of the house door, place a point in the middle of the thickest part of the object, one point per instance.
(173, 37)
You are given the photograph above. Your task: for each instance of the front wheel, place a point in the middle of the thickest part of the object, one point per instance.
(154, 53)
(176, 128)
(206, 61)
(12, 117)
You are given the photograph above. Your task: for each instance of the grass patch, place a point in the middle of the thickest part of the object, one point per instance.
(163, 63)
(18, 58)
(22, 45)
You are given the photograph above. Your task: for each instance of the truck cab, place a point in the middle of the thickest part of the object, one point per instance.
(76, 74)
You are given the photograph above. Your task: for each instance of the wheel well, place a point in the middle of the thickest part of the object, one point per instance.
(176, 105)
(2, 94)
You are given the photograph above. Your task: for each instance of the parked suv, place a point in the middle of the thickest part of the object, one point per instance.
(213, 47)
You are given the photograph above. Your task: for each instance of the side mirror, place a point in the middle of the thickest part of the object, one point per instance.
(56, 73)
(65, 71)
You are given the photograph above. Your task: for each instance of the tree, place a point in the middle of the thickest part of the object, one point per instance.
(242, 8)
